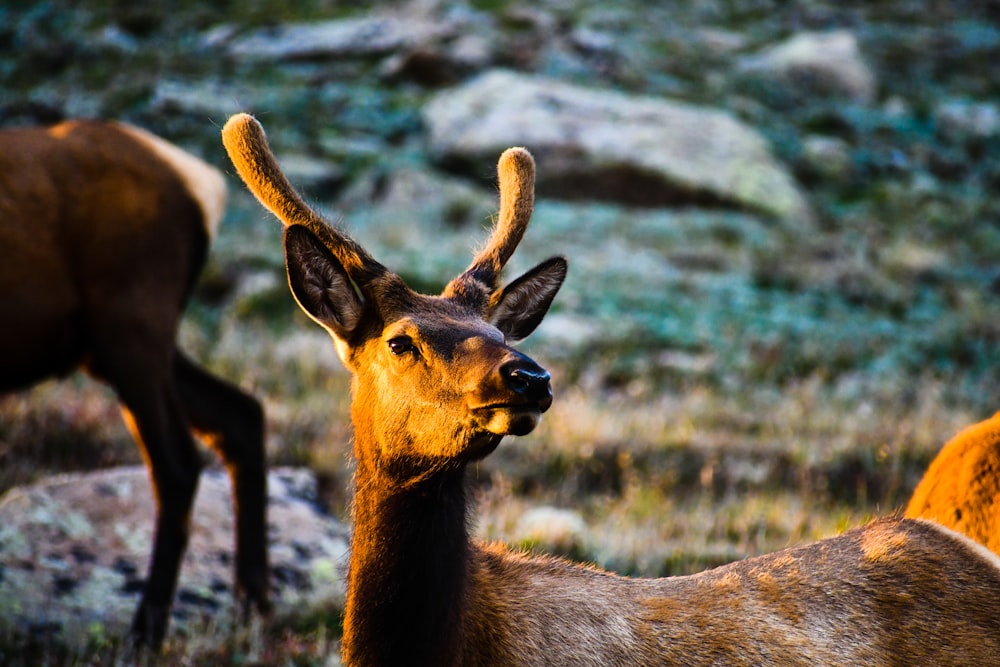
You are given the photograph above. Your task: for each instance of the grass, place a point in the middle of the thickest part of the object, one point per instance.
(668, 484)
(308, 644)
(726, 385)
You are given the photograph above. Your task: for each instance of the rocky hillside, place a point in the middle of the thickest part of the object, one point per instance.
(783, 190)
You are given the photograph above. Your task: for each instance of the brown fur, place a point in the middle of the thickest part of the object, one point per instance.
(434, 389)
(961, 488)
(105, 229)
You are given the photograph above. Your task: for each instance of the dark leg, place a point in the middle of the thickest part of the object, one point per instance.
(232, 424)
(154, 415)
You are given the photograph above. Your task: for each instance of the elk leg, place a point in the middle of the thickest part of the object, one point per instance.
(232, 424)
(156, 420)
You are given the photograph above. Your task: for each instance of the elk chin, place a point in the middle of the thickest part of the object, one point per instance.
(511, 420)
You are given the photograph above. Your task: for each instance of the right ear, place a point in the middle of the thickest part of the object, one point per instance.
(520, 306)
(320, 284)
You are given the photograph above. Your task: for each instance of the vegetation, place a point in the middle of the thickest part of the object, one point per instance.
(726, 385)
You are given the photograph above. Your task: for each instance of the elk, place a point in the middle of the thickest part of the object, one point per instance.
(436, 386)
(961, 488)
(104, 230)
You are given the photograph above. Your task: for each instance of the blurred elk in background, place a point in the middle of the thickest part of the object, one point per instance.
(104, 230)
(961, 488)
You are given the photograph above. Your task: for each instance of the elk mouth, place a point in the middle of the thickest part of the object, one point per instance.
(511, 418)
(541, 405)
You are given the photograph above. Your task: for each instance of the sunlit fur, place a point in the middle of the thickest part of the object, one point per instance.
(421, 591)
(104, 230)
(961, 488)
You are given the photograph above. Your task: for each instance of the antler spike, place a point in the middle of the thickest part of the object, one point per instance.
(245, 142)
(516, 174)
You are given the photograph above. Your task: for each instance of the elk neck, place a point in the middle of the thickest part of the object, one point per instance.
(409, 572)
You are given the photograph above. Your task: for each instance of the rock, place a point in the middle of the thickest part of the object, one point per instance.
(828, 64)
(396, 210)
(828, 157)
(552, 529)
(313, 175)
(450, 201)
(74, 550)
(602, 144)
(439, 63)
(365, 36)
(591, 41)
(965, 119)
(211, 98)
(720, 43)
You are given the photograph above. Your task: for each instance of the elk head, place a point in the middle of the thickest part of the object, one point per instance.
(436, 383)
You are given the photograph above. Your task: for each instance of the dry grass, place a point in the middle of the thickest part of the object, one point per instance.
(666, 481)
(684, 481)
(61, 426)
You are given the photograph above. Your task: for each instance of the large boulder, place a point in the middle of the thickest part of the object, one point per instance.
(602, 144)
(824, 64)
(74, 551)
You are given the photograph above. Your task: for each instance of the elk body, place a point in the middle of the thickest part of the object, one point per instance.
(104, 229)
(436, 386)
(961, 488)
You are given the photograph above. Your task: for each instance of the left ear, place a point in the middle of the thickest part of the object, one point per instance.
(520, 306)
(320, 284)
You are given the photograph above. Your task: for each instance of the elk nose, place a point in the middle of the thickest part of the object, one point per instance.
(529, 381)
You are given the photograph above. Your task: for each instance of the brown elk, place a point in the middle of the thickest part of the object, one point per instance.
(104, 229)
(436, 386)
(961, 488)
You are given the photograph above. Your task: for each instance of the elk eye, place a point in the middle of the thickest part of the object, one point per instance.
(401, 345)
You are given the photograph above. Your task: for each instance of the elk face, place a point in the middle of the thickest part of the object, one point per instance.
(435, 378)
(436, 375)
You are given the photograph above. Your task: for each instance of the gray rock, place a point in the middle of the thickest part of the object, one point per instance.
(74, 550)
(829, 157)
(965, 119)
(602, 144)
(440, 62)
(211, 98)
(719, 42)
(395, 211)
(312, 174)
(815, 63)
(365, 36)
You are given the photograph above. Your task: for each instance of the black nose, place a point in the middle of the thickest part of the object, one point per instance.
(529, 381)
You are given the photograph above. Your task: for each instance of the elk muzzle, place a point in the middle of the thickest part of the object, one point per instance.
(519, 392)
(529, 381)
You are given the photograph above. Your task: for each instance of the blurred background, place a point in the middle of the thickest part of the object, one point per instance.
(781, 220)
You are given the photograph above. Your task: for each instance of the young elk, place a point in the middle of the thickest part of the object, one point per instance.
(961, 488)
(436, 386)
(104, 229)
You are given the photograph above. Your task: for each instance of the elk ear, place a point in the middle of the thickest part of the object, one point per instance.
(320, 284)
(520, 306)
